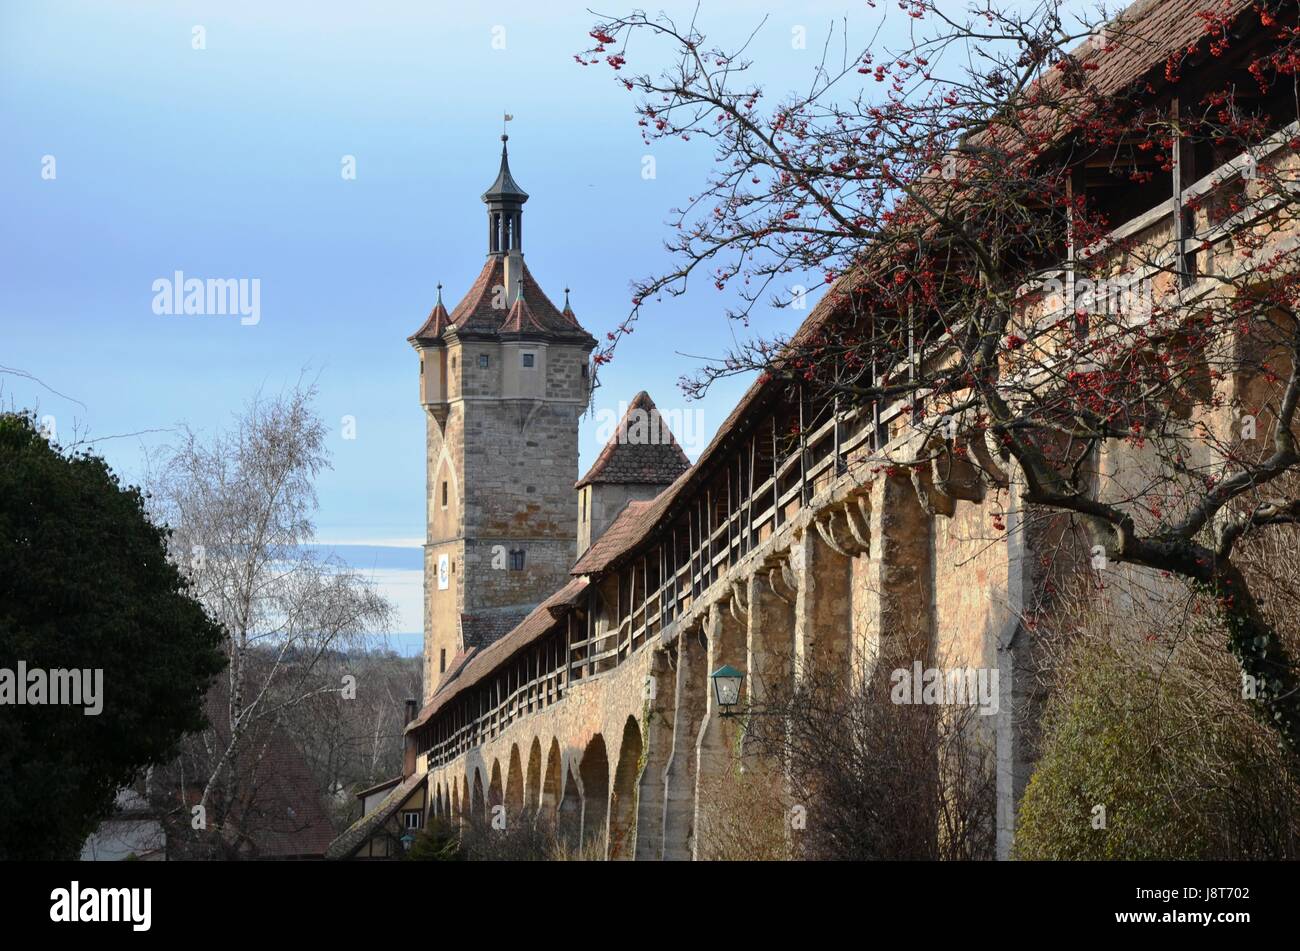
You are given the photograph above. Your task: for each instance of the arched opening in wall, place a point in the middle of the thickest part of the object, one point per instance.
(463, 813)
(437, 801)
(446, 804)
(496, 794)
(594, 770)
(569, 823)
(548, 809)
(622, 805)
(533, 780)
(478, 809)
(515, 785)
(455, 800)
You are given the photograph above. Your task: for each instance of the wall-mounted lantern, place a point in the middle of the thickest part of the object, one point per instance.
(726, 687)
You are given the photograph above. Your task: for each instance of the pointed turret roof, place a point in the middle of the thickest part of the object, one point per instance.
(433, 326)
(505, 188)
(642, 450)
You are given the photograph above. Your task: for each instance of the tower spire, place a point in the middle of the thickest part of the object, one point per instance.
(505, 201)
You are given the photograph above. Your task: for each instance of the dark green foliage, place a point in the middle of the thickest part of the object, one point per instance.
(436, 842)
(1163, 742)
(85, 583)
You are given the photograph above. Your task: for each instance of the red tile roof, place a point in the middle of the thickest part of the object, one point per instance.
(626, 530)
(278, 810)
(642, 450)
(437, 322)
(478, 311)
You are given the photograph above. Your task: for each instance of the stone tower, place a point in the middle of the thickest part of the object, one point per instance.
(504, 378)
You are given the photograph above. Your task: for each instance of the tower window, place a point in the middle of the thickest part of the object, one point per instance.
(529, 359)
(442, 661)
(483, 361)
(517, 560)
(444, 493)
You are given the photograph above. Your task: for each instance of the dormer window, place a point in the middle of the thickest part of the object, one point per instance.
(484, 361)
(529, 359)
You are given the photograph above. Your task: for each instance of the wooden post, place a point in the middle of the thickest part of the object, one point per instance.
(1182, 226)
(776, 482)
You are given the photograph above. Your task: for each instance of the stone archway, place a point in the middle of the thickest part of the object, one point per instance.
(533, 780)
(514, 785)
(478, 810)
(464, 811)
(569, 813)
(496, 791)
(455, 801)
(548, 809)
(594, 770)
(623, 800)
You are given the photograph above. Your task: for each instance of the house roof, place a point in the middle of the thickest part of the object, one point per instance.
(279, 809)
(643, 450)
(386, 784)
(355, 836)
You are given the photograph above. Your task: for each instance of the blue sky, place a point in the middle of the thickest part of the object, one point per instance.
(225, 162)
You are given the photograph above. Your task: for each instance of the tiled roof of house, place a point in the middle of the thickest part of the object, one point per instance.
(642, 450)
(278, 810)
(379, 787)
(346, 845)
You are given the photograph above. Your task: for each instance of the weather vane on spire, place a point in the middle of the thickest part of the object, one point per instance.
(504, 130)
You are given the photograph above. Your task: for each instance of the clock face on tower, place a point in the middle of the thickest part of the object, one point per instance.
(444, 572)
